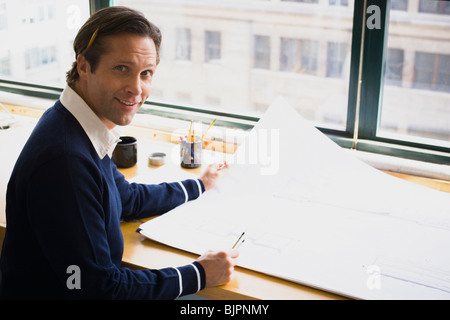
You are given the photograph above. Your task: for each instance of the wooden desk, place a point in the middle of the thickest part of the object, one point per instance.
(140, 252)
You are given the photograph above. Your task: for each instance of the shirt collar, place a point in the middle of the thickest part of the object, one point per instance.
(103, 139)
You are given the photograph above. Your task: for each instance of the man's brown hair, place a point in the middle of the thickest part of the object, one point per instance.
(106, 22)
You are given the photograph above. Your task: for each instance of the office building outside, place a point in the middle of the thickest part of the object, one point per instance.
(240, 55)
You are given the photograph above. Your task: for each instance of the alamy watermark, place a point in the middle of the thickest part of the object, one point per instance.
(374, 19)
(373, 281)
(260, 147)
(74, 280)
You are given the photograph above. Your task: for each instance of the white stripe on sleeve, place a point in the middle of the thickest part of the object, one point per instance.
(180, 280)
(184, 190)
(198, 277)
(199, 187)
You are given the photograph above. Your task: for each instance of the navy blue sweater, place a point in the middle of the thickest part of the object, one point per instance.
(63, 208)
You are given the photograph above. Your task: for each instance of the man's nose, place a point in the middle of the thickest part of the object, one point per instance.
(134, 86)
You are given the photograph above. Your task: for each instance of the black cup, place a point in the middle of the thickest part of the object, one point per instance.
(125, 153)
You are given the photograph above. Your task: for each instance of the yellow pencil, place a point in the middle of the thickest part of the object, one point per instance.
(189, 135)
(212, 123)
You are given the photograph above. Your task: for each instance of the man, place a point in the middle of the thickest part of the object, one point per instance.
(65, 197)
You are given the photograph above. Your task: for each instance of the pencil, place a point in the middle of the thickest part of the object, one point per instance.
(212, 123)
(189, 135)
(234, 246)
(239, 244)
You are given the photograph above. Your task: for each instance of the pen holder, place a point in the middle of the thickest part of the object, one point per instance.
(191, 153)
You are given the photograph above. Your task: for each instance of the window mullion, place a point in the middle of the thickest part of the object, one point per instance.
(373, 66)
(99, 4)
(354, 66)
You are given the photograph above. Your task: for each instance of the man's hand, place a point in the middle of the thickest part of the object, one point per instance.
(218, 266)
(212, 173)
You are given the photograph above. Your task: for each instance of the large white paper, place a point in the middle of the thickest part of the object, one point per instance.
(316, 215)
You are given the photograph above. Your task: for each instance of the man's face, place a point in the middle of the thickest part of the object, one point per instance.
(122, 80)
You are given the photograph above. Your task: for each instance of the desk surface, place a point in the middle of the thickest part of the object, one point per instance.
(140, 252)
(246, 284)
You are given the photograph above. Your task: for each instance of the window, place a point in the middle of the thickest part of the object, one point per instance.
(232, 42)
(394, 67)
(39, 41)
(212, 46)
(290, 55)
(440, 7)
(309, 55)
(385, 88)
(399, 5)
(336, 57)
(5, 68)
(261, 58)
(443, 79)
(299, 56)
(37, 57)
(415, 106)
(431, 71)
(183, 44)
(338, 2)
(3, 16)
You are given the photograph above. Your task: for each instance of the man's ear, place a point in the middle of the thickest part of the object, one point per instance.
(83, 66)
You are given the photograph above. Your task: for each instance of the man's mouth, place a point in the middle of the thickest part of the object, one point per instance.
(127, 103)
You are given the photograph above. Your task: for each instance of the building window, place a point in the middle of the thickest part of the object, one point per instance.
(299, 56)
(432, 71)
(261, 58)
(399, 5)
(183, 44)
(3, 16)
(5, 67)
(343, 3)
(37, 57)
(413, 105)
(212, 46)
(39, 34)
(309, 52)
(289, 55)
(394, 67)
(440, 7)
(443, 77)
(336, 56)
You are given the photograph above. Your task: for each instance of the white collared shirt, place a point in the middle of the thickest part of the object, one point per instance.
(103, 139)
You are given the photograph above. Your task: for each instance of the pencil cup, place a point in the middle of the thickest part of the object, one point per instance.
(191, 153)
(125, 153)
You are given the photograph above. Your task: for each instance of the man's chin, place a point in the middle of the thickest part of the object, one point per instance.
(124, 121)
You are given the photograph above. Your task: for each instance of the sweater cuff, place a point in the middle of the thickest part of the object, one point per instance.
(191, 278)
(192, 188)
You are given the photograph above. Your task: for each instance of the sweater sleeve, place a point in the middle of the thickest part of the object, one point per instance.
(70, 223)
(146, 200)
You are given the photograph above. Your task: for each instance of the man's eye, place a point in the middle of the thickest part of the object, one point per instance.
(147, 73)
(121, 68)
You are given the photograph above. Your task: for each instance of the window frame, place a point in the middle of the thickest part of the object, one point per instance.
(364, 96)
(371, 92)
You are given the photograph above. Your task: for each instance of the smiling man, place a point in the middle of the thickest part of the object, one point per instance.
(65, 197)
(122, 81)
